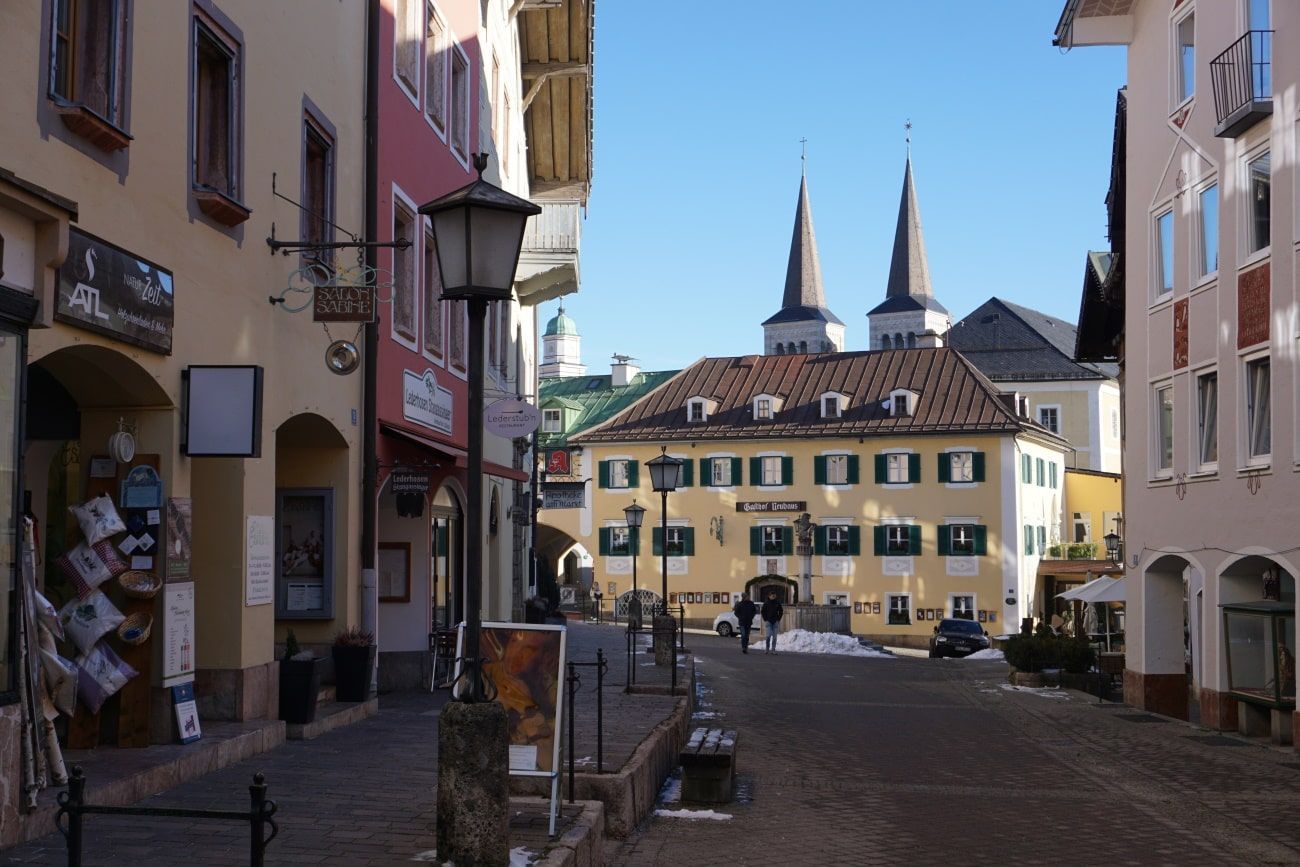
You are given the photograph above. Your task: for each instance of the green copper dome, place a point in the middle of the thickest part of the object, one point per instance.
(561, 324)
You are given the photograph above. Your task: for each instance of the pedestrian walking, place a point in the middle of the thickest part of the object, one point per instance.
(772, 614)
(745, 610)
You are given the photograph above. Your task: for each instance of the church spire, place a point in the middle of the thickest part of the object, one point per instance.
(803, 271)
(909, 270)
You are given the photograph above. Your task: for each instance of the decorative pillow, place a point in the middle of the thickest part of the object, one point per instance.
(89, 566)
(87, 620)
(48, 615)
(98, 519)
(102, 673)
(60, 677)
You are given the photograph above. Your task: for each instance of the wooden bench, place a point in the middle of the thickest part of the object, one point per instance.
(708, 766)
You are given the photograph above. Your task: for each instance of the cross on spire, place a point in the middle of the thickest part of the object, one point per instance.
(803, 155)
(907, 135)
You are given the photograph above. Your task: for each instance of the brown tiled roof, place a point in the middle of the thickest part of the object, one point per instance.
(954, 398)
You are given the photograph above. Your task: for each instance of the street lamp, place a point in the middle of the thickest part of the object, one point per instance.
(478, 231)
(665, 477)
(635, 515)
(1114, 545)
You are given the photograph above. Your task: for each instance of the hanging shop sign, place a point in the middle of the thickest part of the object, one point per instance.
(511, 418)
(773, 506)
(142, 489)
(339, 302)
(404, 480)
(558, 462)
(565, 495)
(106, 289)
(425, 402)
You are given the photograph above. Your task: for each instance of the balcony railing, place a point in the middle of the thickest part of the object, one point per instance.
(1242, 77)
(558, 228)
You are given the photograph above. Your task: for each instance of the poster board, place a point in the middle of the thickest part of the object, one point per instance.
(525, 663)
(178, 631)
(259, 561)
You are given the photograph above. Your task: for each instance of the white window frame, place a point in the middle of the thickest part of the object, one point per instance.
(1245, 217)
(403, 203)
(1205, 276)
(1198, 419)
(835, 597)
(625, 534)
(618, 466)
(723, 464)
(766, 461)
(952, 539)
(1055, 408)
(832, 401)
(842, 534)
(952, 606)
(676, 536)
(694, 405)
(1159, 294)
(910, 401)
(906, 607)
(1177, 83)
(452, 109)
(778, 532)
(1084, 520)
(841, 463)
(966, 467)
(552, 415)
(1250, 459)
(762, 409)
(897, 463)
(1157, 439)
(415, 10)
(443, 55)
(898, 530)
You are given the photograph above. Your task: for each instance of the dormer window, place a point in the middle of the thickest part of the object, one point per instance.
(697, 410)
(763, 409)
(833, 405)
(551, 421)
(902, 402)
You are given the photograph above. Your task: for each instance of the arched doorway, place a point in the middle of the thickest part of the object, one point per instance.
(648, 598)
(1162, 639)
(1253, 672)
(447, 557)
(786, 589)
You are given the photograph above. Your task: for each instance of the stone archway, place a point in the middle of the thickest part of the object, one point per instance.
(787, 589)
(1160, 648)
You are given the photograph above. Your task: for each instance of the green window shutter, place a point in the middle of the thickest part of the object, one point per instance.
(787, 471)
(1038, 465)
(787, 541)
(1042, 540)
(604, 541)
(819, 470)
(945, 467)
(914, 539)
(878, 540)
(657, 541)
(756, 540)
(755, 471)
(855, 540)
(977, 466)
(819, 541)
(1051, 471)
(945, 539)
(1026, 469)
(706, 471)
(688, 473)
(603, 472)
(1029, 539)
(981, 540)
(882, 469)
(688, 541)
(735, 471)
(633, 472)
(853, 469)
(914, 468)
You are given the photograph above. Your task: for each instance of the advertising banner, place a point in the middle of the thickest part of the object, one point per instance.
(104, 288)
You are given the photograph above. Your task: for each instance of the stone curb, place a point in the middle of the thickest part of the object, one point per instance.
(330, 716)
(583, 845)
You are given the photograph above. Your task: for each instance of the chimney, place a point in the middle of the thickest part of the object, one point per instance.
(623, 371)
(929, 339)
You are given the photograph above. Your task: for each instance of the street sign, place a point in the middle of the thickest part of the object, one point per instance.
(511, 418)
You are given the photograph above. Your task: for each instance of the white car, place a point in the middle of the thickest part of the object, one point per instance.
(726, 624)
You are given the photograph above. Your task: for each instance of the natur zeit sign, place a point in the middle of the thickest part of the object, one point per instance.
(774, 506)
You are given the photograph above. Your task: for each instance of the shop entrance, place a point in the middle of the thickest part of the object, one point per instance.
(447, 558)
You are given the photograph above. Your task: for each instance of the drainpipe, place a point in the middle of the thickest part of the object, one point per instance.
(369, 413)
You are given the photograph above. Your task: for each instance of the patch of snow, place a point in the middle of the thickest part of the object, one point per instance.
(987, 654)
(671, 793)
(706, 714)
(693, 814)
(1044, 691)
(803, 641)
(521, 857)
(428, 856)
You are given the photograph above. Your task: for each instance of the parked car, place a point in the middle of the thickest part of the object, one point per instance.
(726, 624)
(955, 637)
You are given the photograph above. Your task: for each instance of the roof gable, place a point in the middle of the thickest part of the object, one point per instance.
(1010, 342)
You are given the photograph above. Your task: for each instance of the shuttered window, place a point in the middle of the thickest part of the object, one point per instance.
(963, 540)
(681, 541)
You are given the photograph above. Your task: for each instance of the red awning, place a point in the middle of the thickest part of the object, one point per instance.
(455, 452)
(504, 472)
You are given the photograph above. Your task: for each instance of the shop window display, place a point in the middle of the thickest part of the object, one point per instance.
(1261, 642)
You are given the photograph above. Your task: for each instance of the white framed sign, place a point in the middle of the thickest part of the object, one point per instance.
(511, 418)
(259, 561)
(178, 631)
(425, 402)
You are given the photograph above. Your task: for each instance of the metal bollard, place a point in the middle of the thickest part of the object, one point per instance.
(572, 685)
(600, 711)
(72, 801)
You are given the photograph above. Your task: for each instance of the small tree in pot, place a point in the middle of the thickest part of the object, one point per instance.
(354, 657)
(300, 676)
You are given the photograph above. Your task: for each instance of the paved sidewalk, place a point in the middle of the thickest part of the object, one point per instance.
(918, 761)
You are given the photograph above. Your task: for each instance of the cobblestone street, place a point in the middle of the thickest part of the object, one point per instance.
(871, 761)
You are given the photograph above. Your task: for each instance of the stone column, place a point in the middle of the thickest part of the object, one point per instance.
(473, 785)
(665, 633)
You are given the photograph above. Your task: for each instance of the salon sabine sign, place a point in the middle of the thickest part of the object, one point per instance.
(425, 402)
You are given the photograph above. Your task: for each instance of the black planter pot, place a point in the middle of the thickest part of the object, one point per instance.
(299, 686)
(352, 667)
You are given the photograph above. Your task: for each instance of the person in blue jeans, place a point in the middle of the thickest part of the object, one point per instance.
(744, 611)
(772, 613)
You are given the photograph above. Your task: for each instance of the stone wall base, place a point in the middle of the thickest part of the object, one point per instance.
(238, 693)
(405, 670)
(1218, 710)
(1164, 694)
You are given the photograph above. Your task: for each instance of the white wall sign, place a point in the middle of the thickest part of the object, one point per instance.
(425, 402)
(178, 629)
(259, 565)
(511, 418)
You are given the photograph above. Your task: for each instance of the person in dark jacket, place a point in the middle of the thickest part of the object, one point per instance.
(772, 614)
(745, 610)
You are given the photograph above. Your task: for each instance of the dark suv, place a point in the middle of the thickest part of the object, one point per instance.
(957, 638)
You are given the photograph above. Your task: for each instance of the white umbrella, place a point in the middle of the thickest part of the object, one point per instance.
(1102, 589)
(1084, 591)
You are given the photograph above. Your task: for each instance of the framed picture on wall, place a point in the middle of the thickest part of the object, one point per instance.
(304, 548)
(875, 607)
(983, 615)
(857, 607)
(394, 566)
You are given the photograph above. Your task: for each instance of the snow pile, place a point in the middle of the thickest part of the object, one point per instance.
(521, 857)
(1044, 691)
(803, 641)
(987, 654)
(693, 814)
(671, 793)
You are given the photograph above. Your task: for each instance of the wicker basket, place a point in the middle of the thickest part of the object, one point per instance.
(135, 628)
(140, 585)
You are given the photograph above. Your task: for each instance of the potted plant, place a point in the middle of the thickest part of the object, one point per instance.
(300, 675)
(354, 658)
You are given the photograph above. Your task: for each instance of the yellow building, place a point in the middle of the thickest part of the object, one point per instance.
(932, 497)
(1093, 503)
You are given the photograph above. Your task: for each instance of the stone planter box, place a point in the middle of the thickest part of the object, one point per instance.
(1034, 679)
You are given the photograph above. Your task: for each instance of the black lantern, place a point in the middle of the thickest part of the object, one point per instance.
(1113, 547)
(635, 515)
(665, 473)
(479, 230)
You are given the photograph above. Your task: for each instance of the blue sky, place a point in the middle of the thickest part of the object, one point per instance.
(699, 108)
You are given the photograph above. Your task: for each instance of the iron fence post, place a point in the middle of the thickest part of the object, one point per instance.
(75, 800)
(600, 710)
(681, 624)
(673, 689)
(257, 820)
(573, 677)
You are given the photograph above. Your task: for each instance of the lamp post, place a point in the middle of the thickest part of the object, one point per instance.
(665, 477)
(635, 515)
(478, 231)
(804, 528)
